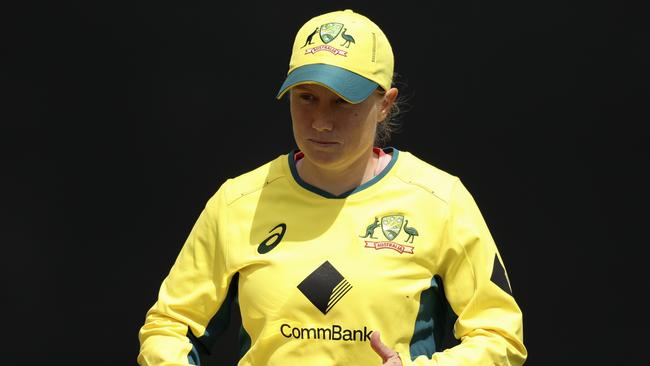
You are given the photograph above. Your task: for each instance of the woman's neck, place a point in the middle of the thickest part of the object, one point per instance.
(339, 180)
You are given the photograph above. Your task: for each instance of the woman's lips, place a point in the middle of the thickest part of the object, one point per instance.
(323, 142)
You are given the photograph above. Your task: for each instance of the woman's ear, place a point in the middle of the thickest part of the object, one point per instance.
(387, 102)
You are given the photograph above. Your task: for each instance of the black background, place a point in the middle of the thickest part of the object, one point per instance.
(119, 120)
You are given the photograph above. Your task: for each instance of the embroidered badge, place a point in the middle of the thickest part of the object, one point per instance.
(327, 33)
(391, 227)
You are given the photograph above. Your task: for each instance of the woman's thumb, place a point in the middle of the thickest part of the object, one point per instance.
(381, 349)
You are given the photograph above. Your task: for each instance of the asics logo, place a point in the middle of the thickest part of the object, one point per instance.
(272, 241)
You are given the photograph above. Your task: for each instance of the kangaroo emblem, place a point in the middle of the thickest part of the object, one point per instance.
(370, 230)
(309, 37)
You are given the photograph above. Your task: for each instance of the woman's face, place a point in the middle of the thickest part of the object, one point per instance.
(332, 133)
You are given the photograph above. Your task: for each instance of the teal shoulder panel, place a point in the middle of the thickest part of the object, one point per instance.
(216, 327)
(244, 338)
(434, 324)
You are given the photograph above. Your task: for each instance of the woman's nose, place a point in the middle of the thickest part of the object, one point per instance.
(322, 120)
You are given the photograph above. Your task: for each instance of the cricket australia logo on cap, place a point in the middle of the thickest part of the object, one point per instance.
(328, 32)
(391, 227)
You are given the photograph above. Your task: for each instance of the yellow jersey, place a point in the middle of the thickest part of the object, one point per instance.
(407, 253)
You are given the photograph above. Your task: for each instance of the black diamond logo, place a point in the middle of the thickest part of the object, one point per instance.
(324, 287)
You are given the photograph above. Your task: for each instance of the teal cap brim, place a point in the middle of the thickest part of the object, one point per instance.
(350, 86)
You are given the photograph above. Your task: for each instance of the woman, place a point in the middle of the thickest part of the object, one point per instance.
(339, 240)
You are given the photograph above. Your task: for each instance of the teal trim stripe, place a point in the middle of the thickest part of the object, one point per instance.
(320, 192)
(194, 357)
(244, 342)
(434, 324)
(244, 338)
(216, 327)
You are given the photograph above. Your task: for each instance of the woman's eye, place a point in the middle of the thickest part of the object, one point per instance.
(307, 97)
(341, 101)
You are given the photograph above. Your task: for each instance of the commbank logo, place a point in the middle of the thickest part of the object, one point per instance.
(325, 287)
(333, 333)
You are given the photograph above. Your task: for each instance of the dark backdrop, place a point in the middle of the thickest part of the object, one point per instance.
(119, 121)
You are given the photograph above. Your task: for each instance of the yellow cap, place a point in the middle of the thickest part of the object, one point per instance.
(343, 51)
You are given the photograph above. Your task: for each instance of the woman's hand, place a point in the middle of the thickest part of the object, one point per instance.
(388, 356)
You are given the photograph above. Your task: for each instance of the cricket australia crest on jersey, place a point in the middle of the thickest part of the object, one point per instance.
(391, 227)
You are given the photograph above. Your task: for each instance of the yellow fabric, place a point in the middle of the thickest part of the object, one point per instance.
(370, 55)
(283, 271)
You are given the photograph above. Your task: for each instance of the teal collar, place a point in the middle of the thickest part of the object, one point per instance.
(320, 192)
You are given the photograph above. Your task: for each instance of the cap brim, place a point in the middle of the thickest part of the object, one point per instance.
(352, 87)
